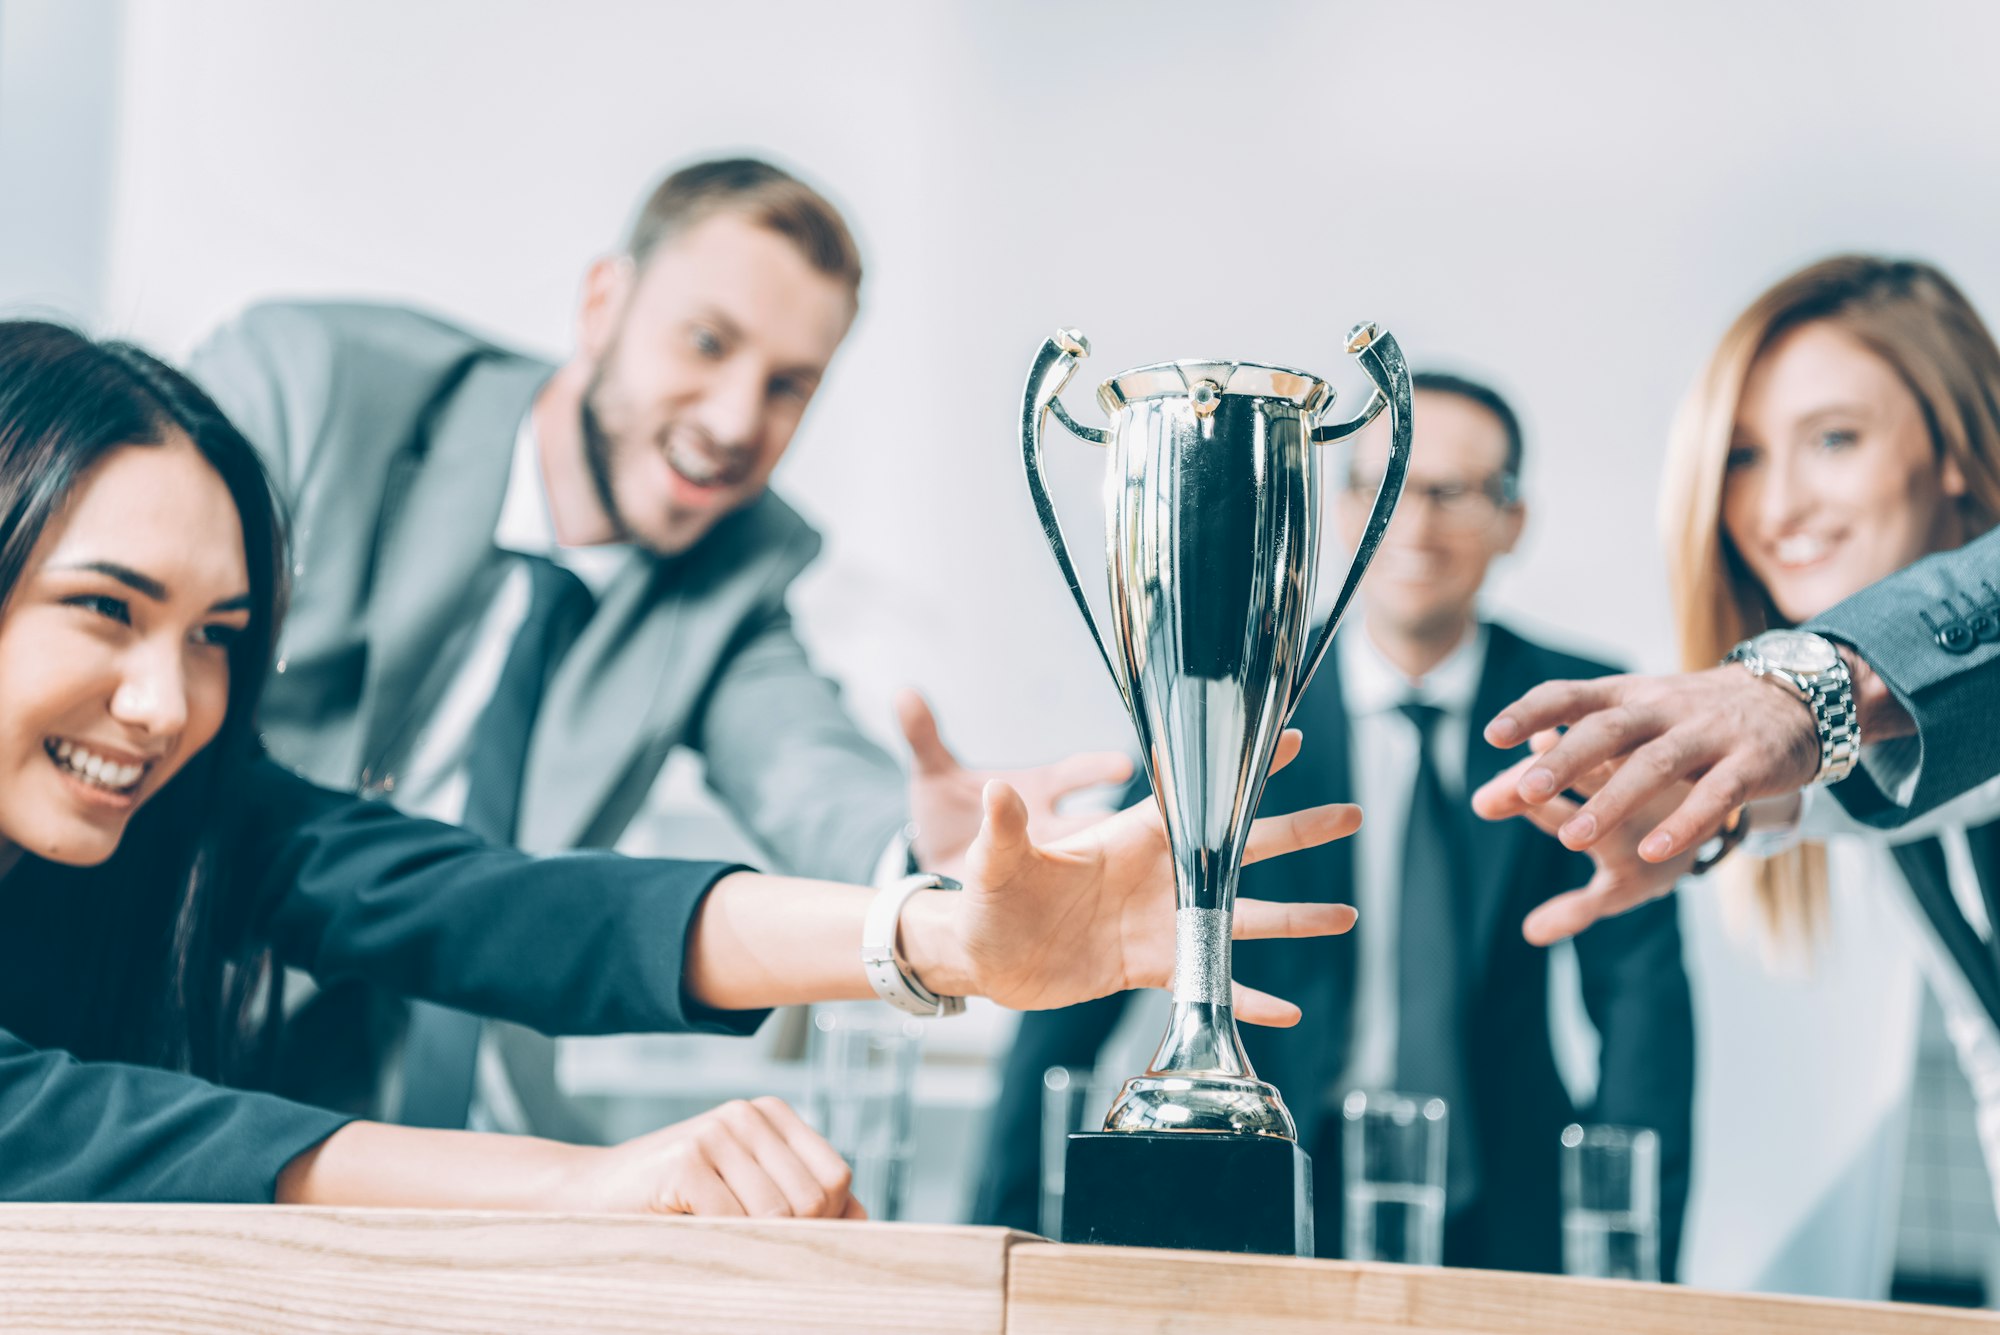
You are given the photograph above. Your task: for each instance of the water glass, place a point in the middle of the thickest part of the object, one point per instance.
(862, 1066)
(1071, 1101)
(1393, 1163)
(1611, 1202)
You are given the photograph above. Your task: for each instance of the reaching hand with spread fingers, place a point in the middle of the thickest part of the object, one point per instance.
(1036, 926)
(1094, 913)
(947, 802)
(1621, 880)
(1722, 737)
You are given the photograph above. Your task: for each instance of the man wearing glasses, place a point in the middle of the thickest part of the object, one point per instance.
(1436, 992)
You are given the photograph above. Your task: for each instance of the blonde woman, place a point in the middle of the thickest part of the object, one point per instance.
(1846, 426)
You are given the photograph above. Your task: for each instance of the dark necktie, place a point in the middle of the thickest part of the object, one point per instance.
(1430, 1054)
(441, 1049)
(495, 764)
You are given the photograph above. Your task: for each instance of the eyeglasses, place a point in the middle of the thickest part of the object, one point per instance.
(1459, 505)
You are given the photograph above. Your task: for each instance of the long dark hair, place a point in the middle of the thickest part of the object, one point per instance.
(171, 976)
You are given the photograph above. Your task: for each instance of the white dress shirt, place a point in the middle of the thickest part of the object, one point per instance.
(1857, 855)
(1383, 744)
(434, 782)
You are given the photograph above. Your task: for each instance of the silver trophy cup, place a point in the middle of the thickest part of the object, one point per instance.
(1212, 508)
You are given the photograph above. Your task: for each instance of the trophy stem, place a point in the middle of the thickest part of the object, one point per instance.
(1201, 1079)
(1201, 1037)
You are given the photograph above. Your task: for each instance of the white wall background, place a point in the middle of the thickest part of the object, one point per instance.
(58, 109)
(1570, 199)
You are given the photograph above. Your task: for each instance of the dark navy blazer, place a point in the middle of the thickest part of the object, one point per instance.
(584, 943)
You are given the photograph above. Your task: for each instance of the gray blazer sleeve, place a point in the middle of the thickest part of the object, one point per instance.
(785, 756)
(1932, 632)
(271, 371)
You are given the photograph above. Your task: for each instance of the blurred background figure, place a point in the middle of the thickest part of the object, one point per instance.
(520, 586)
(1846, 424)
(1438, 995)
(486, 628)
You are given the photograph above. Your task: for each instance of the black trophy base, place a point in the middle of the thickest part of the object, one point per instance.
(1200, 1190)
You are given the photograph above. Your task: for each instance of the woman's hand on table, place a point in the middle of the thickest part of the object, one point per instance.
(753, 1158)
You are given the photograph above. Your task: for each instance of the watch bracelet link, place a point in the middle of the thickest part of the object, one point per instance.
(1839, 724)
(1829, 696)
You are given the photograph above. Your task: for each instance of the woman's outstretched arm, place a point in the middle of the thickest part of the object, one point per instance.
(590, 943)
(1035, 927)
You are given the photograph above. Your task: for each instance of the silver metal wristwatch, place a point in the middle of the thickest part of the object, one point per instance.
(1811, 667)
(888, 972)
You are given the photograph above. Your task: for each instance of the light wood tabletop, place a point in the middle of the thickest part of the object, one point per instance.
(179, 1269)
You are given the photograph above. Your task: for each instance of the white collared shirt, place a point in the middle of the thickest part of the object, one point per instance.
(1383, 746)
(433, 782)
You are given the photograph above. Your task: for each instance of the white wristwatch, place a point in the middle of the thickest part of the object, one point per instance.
(1810, 667)
(888, 972)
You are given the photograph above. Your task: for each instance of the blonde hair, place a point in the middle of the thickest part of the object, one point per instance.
(1917, 321)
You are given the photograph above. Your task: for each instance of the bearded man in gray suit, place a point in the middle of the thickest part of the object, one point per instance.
(518, 586)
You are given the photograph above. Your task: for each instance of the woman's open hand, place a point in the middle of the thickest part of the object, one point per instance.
(1052, 925)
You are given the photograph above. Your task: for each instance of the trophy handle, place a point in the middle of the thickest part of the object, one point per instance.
(1382, 358)
(1054, 365)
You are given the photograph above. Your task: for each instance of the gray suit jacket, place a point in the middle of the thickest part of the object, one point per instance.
(389, 435)
(1932, 631)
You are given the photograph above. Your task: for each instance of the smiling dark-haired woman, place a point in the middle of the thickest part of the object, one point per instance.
(155, 872)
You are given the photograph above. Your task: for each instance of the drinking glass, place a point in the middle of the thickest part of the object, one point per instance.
(860, 1095)
(1392, 1159)
(1611, 1202)
(1072, 1100)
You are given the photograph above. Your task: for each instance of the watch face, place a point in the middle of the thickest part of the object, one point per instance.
(1796, 650)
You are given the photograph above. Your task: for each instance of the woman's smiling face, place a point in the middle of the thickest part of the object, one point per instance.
(1833, 480)
(114, 649)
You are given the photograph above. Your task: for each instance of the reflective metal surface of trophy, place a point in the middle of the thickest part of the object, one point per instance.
(1212, 509)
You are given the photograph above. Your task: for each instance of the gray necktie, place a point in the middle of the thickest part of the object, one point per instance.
(1430, 1012)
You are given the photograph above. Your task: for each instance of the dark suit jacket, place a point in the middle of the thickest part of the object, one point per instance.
(1633, 983)
(587, 943)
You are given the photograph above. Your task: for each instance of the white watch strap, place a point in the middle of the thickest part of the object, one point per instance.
(887, 973)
